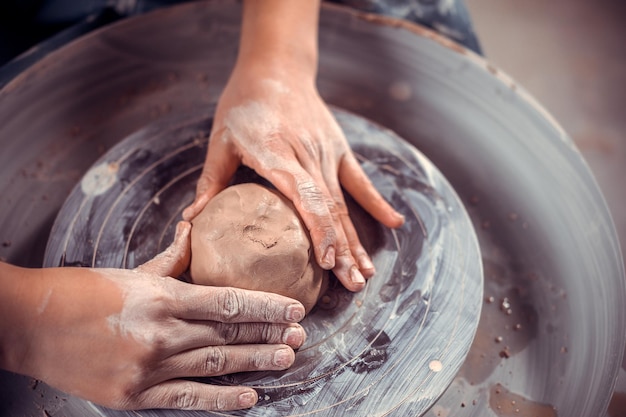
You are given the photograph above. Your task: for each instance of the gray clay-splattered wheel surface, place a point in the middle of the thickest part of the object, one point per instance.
(391, 349)
(545, 233)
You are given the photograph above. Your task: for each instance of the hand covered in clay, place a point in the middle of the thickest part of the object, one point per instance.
(271, 118)
(125, 338)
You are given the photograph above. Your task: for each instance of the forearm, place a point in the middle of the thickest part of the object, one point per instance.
(280, 35)
(39, 305)
(18, 296)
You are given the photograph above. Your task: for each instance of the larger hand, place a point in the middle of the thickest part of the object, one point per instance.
(125, 338)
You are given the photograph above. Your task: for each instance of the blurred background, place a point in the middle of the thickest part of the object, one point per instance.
(571, 56)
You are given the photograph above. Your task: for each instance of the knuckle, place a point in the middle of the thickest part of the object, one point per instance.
(341, 209)
(157, 337)
(311, 146)
(345, 252)
(311, 197)
(159, 292)
(268, 332)
(186, 397)
(327, 230)
(230, 303)
(159, 343)
(229, 333)
(270, 309)
(309, 190)
(214, 361)
(333, 207)
(220, 402)
(258, 360)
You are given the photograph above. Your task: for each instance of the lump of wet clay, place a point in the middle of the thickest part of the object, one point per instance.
(251, 237)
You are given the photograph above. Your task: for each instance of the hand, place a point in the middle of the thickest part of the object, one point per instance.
(271, 118)
(125, 338)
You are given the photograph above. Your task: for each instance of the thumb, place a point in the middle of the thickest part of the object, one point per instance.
(219, 167)
(174, 260)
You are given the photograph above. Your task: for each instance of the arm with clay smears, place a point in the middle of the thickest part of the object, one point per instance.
(271, 118)
(136, 333)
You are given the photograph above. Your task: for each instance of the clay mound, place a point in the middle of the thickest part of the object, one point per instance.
(251, 237)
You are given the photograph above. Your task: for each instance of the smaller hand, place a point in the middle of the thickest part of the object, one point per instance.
(127, 338)
(275, 122)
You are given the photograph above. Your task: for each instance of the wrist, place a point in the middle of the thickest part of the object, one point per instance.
(279, 36)
(251, 70)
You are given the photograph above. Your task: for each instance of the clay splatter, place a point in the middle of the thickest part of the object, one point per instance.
(507, 404)
(100, 178)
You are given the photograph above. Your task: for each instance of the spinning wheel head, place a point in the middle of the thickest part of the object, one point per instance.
(391, 348)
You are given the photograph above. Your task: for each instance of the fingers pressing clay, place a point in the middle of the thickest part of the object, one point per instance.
(174, 260)
(355, 265)
(188, 395)
(312, 206)
(220, 165)
(195, 333)
(235, 305)
(223, 360)
(363, 260)
(198, 204)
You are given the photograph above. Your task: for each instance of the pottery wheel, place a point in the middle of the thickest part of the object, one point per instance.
(388, 350)
(550, 338)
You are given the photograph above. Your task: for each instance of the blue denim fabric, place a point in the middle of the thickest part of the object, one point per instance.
(450, 18)
(24, 23)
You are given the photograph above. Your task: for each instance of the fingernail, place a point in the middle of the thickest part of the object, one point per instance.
(282, 358)
(400, 217)
(328, 260)
(293, 336)
(355, 275)
(247, 399)
(187, 215)
(295, 313)
(366, 263)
